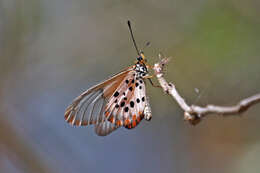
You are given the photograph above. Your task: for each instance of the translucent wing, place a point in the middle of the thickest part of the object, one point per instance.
(88, 108)
(105, 128)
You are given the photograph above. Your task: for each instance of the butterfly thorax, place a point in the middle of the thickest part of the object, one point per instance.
(141, 70)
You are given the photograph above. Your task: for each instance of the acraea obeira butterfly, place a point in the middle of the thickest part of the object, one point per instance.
(118, 101)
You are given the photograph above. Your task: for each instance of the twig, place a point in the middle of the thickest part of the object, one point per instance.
(195, 113)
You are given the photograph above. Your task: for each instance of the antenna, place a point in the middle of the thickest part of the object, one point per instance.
(130, 29)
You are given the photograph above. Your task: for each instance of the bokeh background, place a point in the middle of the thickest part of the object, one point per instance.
(52, 50)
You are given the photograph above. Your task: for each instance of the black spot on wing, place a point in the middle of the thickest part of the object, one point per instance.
(122, 104)
(116, 94)
(126, 109)
(132, 104)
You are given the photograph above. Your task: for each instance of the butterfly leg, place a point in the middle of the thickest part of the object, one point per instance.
(151, 82)
(157, 86)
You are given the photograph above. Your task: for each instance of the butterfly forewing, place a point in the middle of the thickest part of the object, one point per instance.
(88, 108)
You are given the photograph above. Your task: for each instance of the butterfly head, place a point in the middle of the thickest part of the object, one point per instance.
(141, 58)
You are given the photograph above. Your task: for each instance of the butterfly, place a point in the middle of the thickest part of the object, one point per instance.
(119, 101)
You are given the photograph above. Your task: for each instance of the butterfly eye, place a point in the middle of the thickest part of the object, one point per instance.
(139, 58)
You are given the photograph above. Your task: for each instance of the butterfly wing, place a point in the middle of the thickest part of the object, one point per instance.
(127, 107)
(105, 128)
(88, 108)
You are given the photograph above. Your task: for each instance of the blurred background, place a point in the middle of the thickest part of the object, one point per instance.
(52, 50)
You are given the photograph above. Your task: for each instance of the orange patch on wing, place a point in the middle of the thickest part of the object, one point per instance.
(134, 117)
(114, 86)
(111, 119)
(118, 123)
(77, 123)
(127, 121)
(69, 111)
(138, 119)
(107, 113)
(71, 118)
(141, 114)
(133, 123)
(67, 115)
(84, 123)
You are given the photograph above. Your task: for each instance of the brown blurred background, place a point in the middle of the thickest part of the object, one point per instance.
(52, 50)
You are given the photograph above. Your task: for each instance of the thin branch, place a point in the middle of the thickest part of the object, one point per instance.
(195, 113)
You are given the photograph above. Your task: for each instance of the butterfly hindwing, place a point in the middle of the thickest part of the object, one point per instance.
(105, 128)
(126, 106)
(136, 104)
